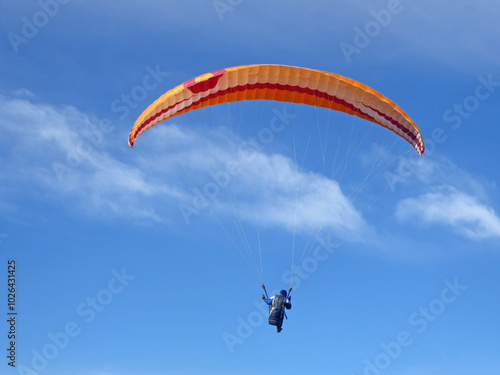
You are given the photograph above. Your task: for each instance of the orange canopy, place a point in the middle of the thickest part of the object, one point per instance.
(282, 83)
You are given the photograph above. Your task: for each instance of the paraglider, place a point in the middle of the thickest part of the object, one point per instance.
(284, 84)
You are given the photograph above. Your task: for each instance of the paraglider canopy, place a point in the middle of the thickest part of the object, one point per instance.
(281, 83)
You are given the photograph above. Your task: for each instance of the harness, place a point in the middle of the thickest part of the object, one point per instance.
(277, 311)
(277, 308)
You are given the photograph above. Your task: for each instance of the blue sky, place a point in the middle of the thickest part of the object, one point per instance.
(135, 261)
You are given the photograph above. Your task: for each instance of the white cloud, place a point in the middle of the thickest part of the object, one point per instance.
(261, 188)
(63, 155)
(453, 208)
(412, 174)
(59, 153)
(289, 198)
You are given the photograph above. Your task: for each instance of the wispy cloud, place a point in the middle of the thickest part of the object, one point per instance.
(435, 191)
(421, 174)
(107, 180)
(290, 198)
(49, 151)
(448, 206)
(264, 189)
